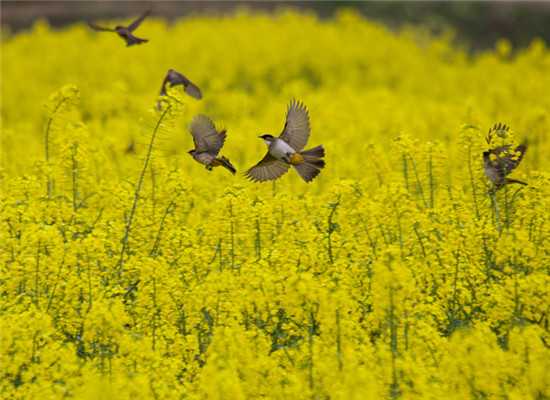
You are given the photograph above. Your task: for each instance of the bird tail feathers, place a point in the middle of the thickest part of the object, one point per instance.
(131, 40)
(227, 165)
(313, 162)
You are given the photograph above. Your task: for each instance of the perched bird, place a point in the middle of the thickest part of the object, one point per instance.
(125, 32)
(500, 161)
(285, 150)
(175, 78)
(208, 143)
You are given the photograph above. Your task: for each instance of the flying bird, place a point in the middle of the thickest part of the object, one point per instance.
(286, 150)
(500, 161)
(208, 143)
(125, 32)
(175, 78)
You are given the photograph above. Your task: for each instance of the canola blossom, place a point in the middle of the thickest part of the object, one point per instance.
(130, 271)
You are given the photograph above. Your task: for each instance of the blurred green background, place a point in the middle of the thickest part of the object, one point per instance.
(477, 24)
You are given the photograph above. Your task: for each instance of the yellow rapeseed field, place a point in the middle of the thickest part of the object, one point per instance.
(129, 271)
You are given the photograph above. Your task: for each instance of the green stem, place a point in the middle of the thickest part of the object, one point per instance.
(156, 311)
(472, 181)
(153, 191)
(367, 230)
(311, 333)
(74, 174)
(497, 213)
(420, 240)
(56, 283)
(432, 181)
(136, 197)
(156, 245)
(506, 207)
(332, 228)
(394, 387)
(47, 144)
(454, 301)
(405, 175)
(258, 241)
(338, 341)
(419, 184)
(232, 233)
(37, 276)
(399, 229)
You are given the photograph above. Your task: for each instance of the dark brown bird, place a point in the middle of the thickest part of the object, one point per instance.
(175, 79)
(500, 161)
(208, 143)
(285, 150)
(125, 32)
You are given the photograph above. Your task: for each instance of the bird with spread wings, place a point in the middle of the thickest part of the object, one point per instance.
(502, 160)
(125, 32)
(208, 143)
(286, 150)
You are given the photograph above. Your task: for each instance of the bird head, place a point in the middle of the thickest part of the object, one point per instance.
(267, 139)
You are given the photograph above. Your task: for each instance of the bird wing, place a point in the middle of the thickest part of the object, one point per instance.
(163, 87)
(268, 169)
(99, 28)
(192, 90)
(205, 135)
(504, 164)
(189, 88)
(297, 129)
(138, 21)
(498, 129)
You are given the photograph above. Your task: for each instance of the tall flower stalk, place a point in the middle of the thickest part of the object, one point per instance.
(127, 231)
